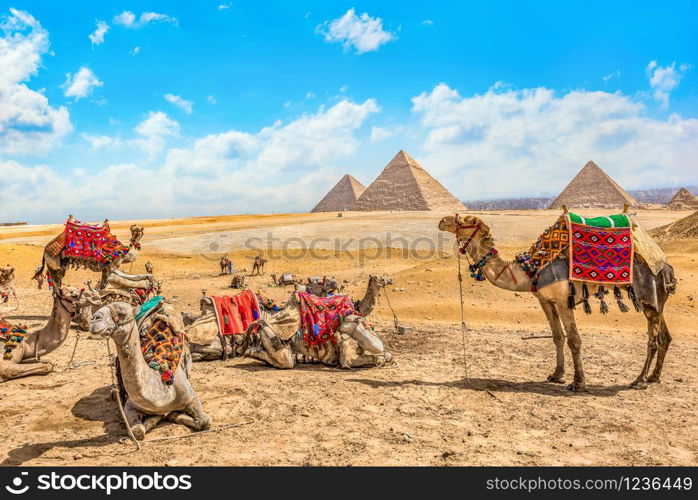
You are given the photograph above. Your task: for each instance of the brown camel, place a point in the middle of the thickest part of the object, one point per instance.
(651, 292)
(57, 264)
(258, 265)
(66, 300)
(224, 263)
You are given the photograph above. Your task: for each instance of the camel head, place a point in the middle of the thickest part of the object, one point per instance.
(136, 233)
(107, 319)
(381, 281)
(71, 298)
(473, 234)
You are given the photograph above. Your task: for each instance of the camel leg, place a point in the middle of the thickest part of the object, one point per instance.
(653, 322)
(664, 339)
(559, 339)
(208, 352)
(9, 370)
(193, 416)
(272, 351)
(574, 342)
(362, 348)
(135, 420)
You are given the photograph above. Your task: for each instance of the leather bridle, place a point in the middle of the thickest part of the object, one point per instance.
(463, 244)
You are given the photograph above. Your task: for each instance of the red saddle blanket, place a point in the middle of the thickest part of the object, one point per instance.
(235, 313)
(322, 316)
(91, 242)
(601, 255)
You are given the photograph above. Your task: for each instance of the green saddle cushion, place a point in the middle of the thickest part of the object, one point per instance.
(616, 220)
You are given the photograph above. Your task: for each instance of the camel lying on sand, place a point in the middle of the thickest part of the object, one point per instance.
(278, 341)
(15, 362)
(204, 333)
(149, 399)
(651, 292)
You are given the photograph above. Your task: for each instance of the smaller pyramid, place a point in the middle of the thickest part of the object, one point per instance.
(404, 185)
(683, 200)
(342, 196)
(593, 188)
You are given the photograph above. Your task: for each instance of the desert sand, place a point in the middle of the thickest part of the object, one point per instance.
(422, 410)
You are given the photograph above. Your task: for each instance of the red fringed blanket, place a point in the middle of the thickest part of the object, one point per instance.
(322, 316)
(236, 313)
(162, 349)
(91, 243)
(601, 255)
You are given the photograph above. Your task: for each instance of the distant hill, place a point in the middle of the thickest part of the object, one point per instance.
(658, 195)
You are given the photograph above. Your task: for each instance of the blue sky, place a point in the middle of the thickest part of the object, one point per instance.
(181, 108)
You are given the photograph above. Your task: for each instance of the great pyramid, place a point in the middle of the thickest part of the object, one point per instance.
(342, 196)
(593, 188)
(683, 200)
(404, 185)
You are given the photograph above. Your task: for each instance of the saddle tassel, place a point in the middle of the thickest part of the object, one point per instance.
(619, 299)
(601, 294)
(633, 299)
(571, 302)
(585, 296)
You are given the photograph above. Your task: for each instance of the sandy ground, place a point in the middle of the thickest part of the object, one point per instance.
(421, 410)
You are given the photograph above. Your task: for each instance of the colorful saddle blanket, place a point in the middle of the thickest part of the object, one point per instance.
(601, 254)
(322, 316)
(87, 242)
(162, 349)
(600, 248)
(12, 335)
(236, 313)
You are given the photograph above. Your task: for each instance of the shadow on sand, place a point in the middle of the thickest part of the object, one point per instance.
(498, 385)
(96, 407)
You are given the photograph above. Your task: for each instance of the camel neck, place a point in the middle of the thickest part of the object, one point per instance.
(506, 274)
(52, 335)
(370, 299)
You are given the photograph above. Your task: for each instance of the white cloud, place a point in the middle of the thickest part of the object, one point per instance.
(180, 103)
(427, 22)
(28, 123)
(379, 134)
(364, 33)
(136, 50)
(151, 135)
(97, 38)
(81, 84)
(310, 95)
(664, 79)
(129, 20)
(536, 141)
(609, 76)
(225, 6)
(217, 173)
(211, 99)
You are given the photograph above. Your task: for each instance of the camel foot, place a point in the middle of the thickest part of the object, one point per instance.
(204, 423)
(577, 387)
(138, 432)
(556, 379)
(639, 384)
(654, 379)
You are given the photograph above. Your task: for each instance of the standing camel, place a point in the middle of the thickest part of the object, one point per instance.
(57, 264)
(224, 263)
(66, 301)
(258, 265)
(149, 399)
(651, 291)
